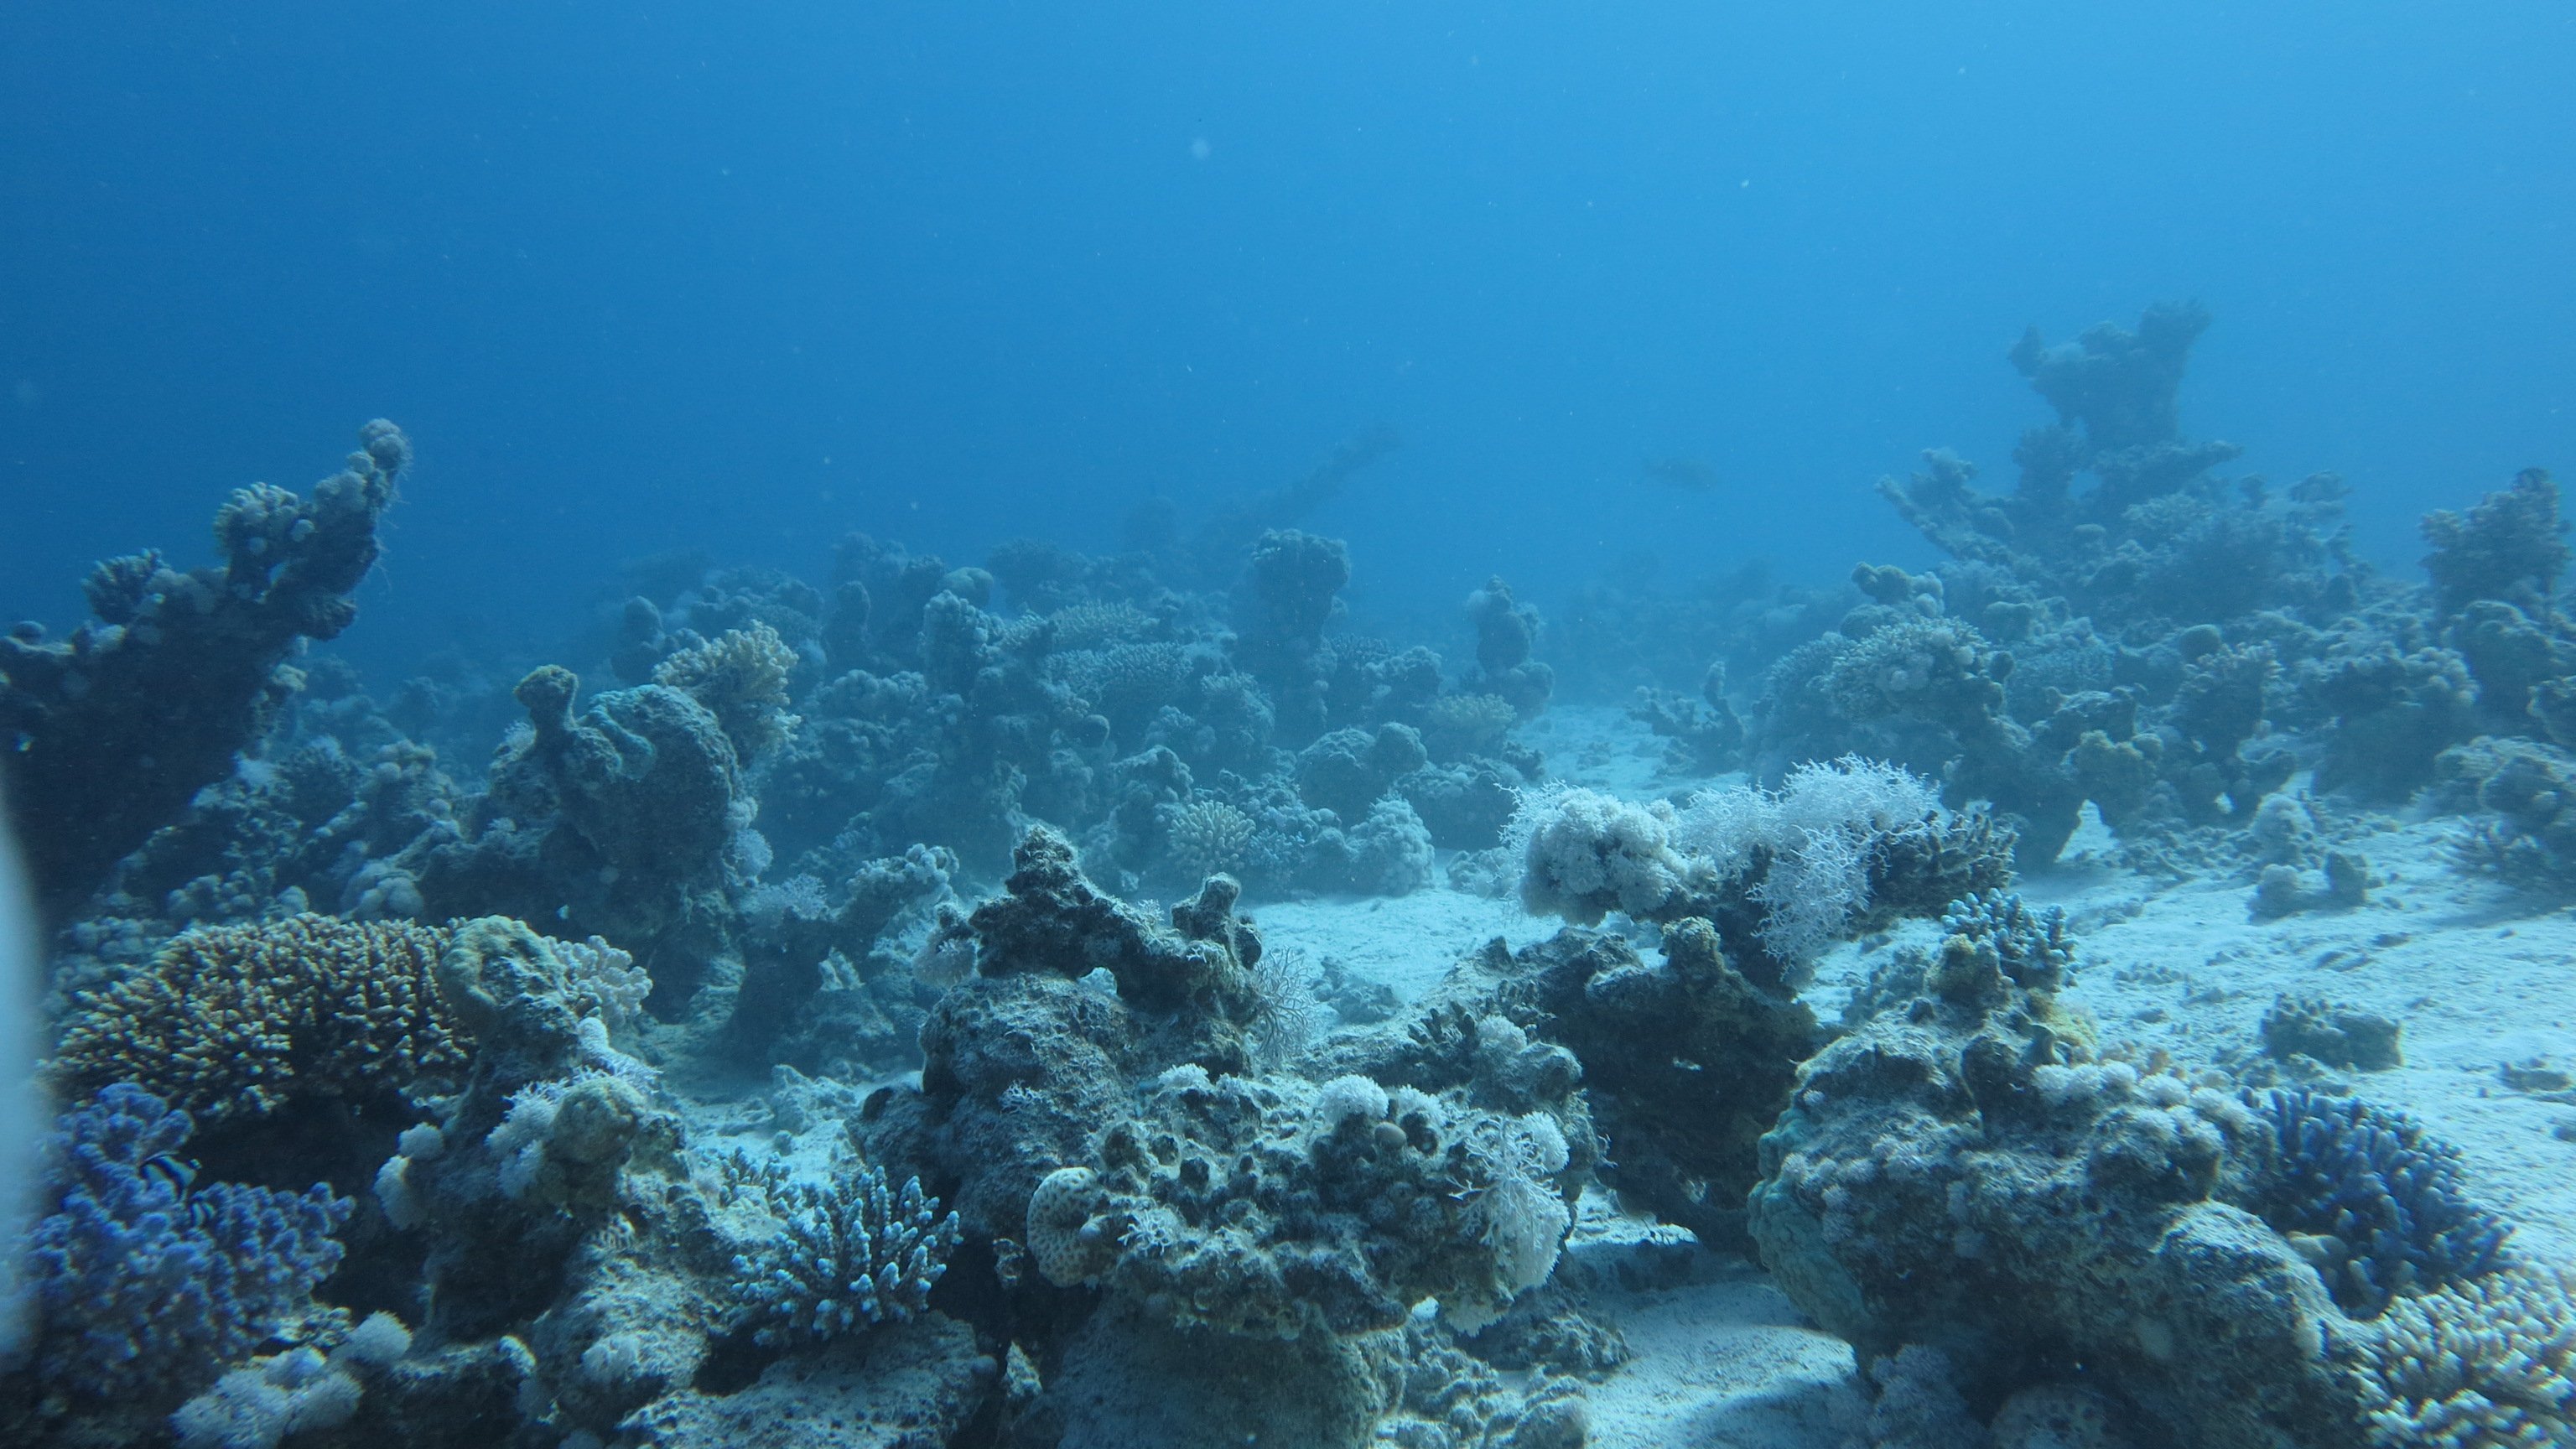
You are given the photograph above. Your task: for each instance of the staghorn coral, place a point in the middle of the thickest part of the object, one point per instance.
(2485, 1363)
(849, 1253)
(741, 676)
(233, 1021)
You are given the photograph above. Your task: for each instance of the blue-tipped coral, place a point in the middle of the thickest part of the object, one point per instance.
(147, 1288)
(2030, 946)
(2388, 1197)
(853, 1252)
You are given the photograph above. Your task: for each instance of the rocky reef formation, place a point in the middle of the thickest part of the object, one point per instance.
(110, 731)
(1965, 1181)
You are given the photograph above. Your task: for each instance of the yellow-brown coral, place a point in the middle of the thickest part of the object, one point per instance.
(741, 676)
(231, 1021)
(1470, 723)
(1095, 625)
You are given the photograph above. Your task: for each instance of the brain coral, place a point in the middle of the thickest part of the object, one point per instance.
(234, 1020)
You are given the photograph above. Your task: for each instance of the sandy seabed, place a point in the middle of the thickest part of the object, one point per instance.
(2483, 977)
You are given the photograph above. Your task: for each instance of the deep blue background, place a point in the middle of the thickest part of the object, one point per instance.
(745, 275)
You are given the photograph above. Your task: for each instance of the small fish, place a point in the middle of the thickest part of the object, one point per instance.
(179, 1174)
(1678, 472)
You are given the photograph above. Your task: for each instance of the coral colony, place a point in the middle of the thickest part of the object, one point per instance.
(758, 1030)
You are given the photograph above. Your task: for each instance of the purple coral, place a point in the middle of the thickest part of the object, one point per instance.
(146, 1287)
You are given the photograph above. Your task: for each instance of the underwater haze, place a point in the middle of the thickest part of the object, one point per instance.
(742, 277)
(992, 726)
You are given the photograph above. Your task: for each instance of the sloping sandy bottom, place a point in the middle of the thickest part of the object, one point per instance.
(2480, 975)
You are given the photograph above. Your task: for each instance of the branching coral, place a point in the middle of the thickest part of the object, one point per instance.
(2029, 947)
(146, 1286)
(849, 1253)
(1206, 836)
(2380, 1203)
(238, 1020)
(2485, 1363)
(2511, 545)
(741, 677)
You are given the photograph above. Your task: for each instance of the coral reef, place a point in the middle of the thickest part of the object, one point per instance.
(1267, 1208)
(147, 1285)
(1965, 1174)
(112, 730)
(1686, 1061)
(616, 822)
(242, 1019)
(854, 1252)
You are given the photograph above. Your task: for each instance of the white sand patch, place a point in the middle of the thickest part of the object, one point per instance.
(2480, 975)
(1724, 1361)
(1406, 942)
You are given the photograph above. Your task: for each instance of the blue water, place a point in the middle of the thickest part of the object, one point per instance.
(742, 277)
